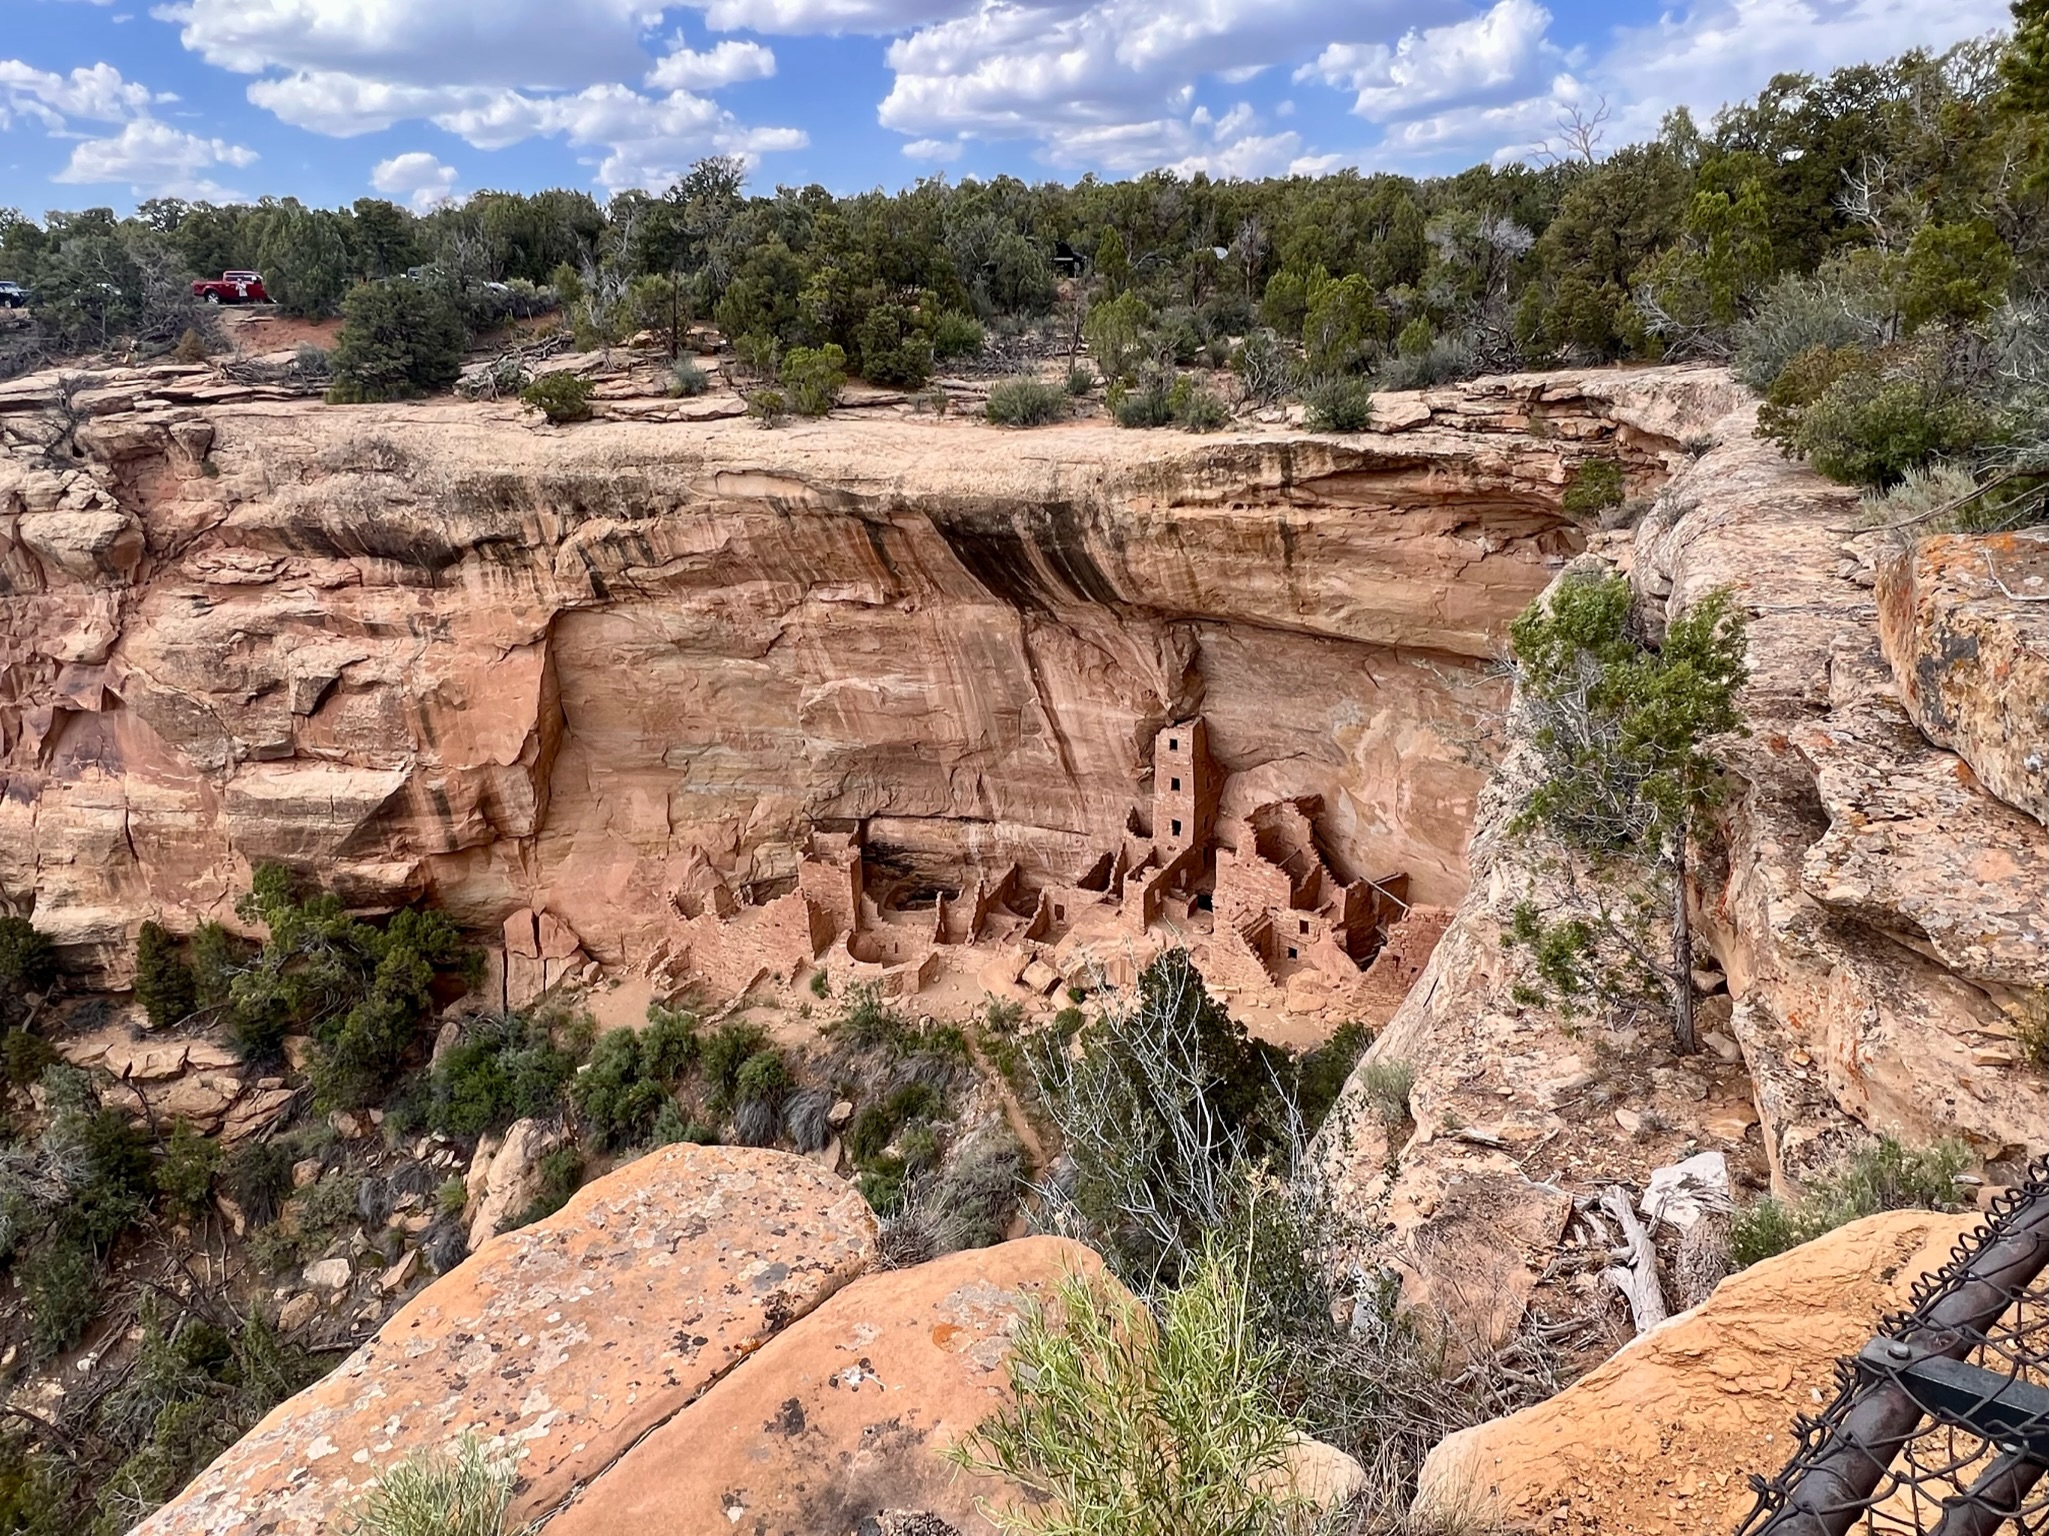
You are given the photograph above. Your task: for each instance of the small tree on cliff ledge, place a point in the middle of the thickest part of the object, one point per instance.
(1622, 733)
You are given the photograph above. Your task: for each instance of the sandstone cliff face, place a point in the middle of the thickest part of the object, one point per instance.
(437, 651)
(1874, 911)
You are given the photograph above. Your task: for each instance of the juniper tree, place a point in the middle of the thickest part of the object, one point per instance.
(1623, 733)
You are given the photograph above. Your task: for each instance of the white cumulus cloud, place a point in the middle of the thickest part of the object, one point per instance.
(494, 74)
(94, 91)
(685, 69)
(154, 159)
(418, 177)
(1495, 87)
(1502, 55)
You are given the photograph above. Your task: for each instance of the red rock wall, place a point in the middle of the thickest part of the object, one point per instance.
(427, 651)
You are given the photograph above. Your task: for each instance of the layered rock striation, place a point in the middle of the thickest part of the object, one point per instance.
(436, 651)
(1871, 908)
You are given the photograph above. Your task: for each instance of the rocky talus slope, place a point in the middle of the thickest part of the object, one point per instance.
(1872, 910)
(439, 651)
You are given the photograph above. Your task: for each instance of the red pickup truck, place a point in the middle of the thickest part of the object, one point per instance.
(231, 288)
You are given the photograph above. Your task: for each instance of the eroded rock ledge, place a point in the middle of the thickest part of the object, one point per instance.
(1873, 915)
(436, 651)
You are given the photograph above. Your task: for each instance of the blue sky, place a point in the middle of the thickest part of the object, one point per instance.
(113, 101)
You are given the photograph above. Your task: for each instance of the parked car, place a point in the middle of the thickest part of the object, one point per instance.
(231, 288)
(14, 296)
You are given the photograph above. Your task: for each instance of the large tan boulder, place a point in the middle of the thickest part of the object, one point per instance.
(1966, 627)
(1660, 1439)
(562, 1343)
(846, 1414)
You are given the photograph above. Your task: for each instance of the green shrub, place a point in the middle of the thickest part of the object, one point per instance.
(217, 957)
(1597, 486)
(28, 960)
(1025, 402)
(763, 1078)
(1343, 404)
(687, 380)
(258, 1178)
(185, 1175)
(61, 1285)
(813, 378)
(1120, 1424)
(502, 1070)
(1081, 378)
(769, 407)
(669, 1045)
(615, 1098)
(1886, 1176)
(1870, 429)
(461, 1492)
(25, 1056)
(561, 397)
(398, 339)
(360, 990)
(723, 1054)
(1386, 1085)
(163, 981)
(1146, 404)
(956, 335)
(1321, 1074)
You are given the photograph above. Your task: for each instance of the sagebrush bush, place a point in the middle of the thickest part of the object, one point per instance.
(1204, 411)
(1887, 1176)
(687, 380)
(1386, 1086)
(1081, 378)
(615, 1096)
(1343, 404)
(461, 1491)
(976, 1193)
(1144, 1428)
(1025, 402)
(1444, 360)
(1799, 314)
(721, 1056)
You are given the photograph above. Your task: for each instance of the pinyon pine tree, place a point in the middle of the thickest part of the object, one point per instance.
(1623, 733)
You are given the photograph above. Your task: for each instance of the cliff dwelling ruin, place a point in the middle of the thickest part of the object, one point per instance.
(1253, 898)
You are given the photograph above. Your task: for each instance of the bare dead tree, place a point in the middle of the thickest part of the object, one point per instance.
(1578, 136)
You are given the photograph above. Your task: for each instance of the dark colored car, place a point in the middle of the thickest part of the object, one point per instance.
(14, 296)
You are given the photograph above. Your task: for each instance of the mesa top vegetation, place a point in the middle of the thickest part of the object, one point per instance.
(1869, 247)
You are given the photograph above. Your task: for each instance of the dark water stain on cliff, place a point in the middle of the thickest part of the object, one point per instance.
(1034, 561)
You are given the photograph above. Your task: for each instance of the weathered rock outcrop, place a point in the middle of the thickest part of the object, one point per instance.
(434, 651)
(1965, 622)
(1664, 1435)
(562, 1344)
(1875, 914)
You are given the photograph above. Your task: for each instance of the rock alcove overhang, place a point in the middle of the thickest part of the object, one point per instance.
(426, 652)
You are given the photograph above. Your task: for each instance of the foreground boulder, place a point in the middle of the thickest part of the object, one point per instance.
(564, 1342)
(1662, 1437)
(843, 1415)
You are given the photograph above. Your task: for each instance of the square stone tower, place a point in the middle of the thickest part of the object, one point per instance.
(1186, 788)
